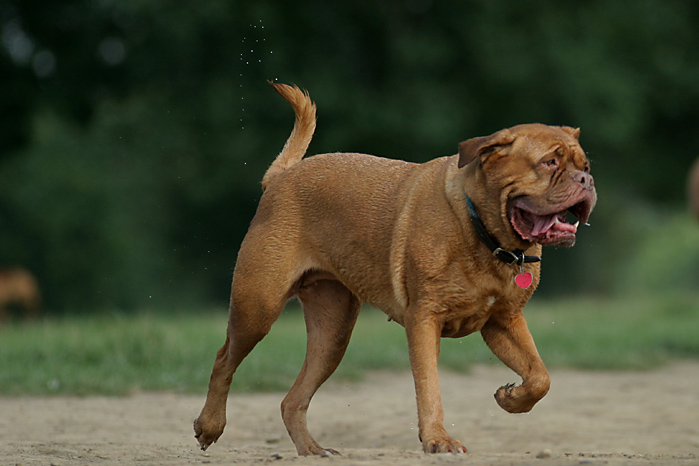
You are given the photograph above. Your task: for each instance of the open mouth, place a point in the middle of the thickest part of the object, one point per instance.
(550, 228)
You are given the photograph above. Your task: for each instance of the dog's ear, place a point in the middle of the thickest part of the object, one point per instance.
(482, 147)
(575, 132)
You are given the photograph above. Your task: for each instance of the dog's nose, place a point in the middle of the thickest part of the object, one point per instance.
(585, 179)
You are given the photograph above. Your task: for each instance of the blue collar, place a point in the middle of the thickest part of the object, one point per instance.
(514, 257)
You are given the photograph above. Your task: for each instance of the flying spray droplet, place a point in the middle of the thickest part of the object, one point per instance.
(250, 55)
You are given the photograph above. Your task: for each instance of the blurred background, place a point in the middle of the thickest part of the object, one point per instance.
(134, 134)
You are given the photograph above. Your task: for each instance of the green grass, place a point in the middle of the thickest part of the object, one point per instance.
(113, 354)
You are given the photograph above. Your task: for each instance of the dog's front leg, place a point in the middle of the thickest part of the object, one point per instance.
(424, 333)
(509, 339)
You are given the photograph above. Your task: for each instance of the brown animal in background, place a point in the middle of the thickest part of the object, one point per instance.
(445, 248)
(18, 289)
(693, 189)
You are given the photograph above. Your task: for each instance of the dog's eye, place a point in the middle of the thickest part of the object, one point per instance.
(551, 163)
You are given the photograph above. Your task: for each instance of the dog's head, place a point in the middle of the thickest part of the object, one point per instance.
(541, 174)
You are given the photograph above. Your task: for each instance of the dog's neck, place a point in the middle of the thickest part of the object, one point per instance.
(514, 257)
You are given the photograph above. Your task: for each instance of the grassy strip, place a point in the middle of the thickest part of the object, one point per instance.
(112, 354)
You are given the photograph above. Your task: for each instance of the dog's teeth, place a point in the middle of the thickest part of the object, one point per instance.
(576, 224)
(587, 224)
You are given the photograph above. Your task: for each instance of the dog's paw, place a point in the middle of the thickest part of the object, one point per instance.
(327, 452)
(317, 450)
(206, 434)
(443, 445)
(513, 400)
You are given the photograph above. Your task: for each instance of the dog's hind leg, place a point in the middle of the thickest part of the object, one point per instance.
(331, 311)
(258, 296)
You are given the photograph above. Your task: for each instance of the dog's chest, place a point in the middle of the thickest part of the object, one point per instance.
(459, 323)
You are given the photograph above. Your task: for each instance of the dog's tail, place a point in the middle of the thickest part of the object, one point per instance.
(297, 144)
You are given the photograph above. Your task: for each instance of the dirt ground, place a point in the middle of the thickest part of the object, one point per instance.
(588, 418)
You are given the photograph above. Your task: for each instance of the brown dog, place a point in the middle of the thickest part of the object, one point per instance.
(444, 248)
(18, 289)
(693, 189)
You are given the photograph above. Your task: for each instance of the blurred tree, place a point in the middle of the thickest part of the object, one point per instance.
(134, 134)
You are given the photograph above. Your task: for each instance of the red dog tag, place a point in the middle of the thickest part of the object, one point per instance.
(523, 280)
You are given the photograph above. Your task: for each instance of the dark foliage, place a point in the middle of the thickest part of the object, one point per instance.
(134, 134)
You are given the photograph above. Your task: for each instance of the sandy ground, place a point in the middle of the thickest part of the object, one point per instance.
(588, 418)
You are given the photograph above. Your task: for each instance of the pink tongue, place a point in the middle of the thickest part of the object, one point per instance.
(542, 224)
(565, 227)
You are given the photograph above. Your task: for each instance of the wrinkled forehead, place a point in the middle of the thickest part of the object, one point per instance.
(544, 141)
